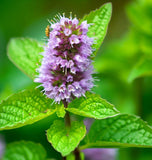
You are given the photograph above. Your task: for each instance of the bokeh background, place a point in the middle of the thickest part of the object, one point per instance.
(129, 37)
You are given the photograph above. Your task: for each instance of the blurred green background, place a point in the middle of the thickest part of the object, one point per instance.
(127, 47)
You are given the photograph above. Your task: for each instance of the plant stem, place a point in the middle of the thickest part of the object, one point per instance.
(67, 115)
(67, 119)
(139, 89)
(138, 85)
(76, 152)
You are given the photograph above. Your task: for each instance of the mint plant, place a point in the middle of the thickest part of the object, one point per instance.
(64, 71)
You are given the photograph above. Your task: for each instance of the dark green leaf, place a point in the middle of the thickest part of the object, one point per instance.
(64, 138)
(24, 151)
(24, 108)
(119, 131)
(25, 54)
(99, 20)
(92, 106)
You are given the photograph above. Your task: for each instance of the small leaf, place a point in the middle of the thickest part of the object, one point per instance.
(92, 106)
(142, 68)
(65, 139)
(119, 131)
(25, 54)
(60, 111)
(99, 20)
(24, 108)
(24, 151)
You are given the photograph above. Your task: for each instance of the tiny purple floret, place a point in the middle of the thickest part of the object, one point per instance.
(66, 69)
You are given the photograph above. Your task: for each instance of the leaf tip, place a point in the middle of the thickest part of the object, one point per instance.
(108, 6)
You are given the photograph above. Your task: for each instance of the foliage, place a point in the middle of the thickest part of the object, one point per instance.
(110, 128)
(25, 150)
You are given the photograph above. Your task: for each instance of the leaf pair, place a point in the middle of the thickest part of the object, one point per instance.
(32, 105)
(120, 131)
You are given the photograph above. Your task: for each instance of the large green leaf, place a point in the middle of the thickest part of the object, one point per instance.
(24, 151)
(24, 108)
(92, 106)
(142, 68)
(64, 138)
(99, 20)
(120, 131)
(25, 54)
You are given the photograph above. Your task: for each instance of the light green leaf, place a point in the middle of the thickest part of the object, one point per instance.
(24, 108)
(92, 106)
(142, 68)
(24, 151)
(65, 139)
(119, 131)
(99, 20)
(60, 111)
(25, 54)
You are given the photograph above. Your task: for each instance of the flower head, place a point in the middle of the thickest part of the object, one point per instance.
(66, 69)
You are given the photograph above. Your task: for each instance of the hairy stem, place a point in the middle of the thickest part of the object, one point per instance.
(139, 89)
(67, 115)
(138, 84)
(77, 154)
(68, 123)
(67, 119)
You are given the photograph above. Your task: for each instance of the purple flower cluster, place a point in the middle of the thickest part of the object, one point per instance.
(66, 69)
(100, 154)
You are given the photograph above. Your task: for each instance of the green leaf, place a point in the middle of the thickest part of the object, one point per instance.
(24, 151)
(92, 106)
(60, 111)
(119, 131)
(99, 20)
(64, 138)
(24, 108)
(25, 54)
(142, 68)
